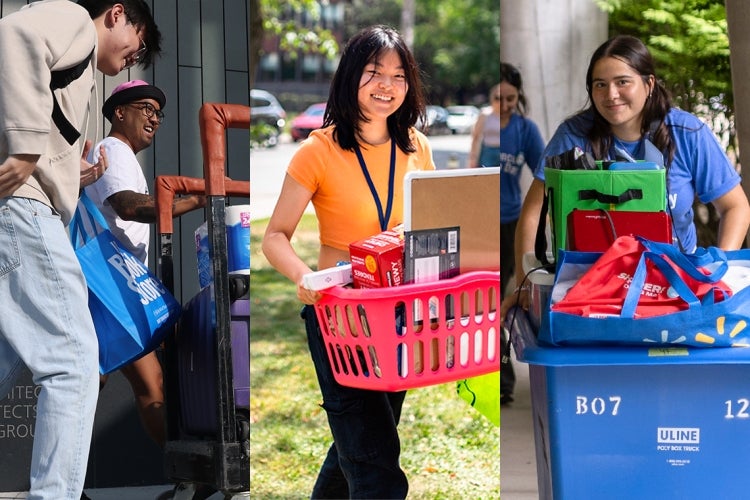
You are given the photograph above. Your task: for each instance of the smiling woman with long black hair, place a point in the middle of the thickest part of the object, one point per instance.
(352, 171)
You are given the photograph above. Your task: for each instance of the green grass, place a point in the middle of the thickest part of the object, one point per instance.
(449, 451)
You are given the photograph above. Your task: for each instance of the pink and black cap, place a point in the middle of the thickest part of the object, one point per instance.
(129, 92)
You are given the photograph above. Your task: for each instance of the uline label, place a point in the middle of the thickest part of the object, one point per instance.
(679, 435)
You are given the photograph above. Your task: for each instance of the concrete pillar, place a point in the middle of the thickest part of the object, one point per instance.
(738, 25)
(551, 42)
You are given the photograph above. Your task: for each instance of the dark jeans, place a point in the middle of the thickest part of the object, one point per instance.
(507, 255)
(363, 461)
(507, 265)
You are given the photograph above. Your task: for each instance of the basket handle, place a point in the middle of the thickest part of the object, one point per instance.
(447, 285)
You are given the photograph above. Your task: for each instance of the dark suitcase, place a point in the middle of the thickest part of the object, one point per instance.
(196, 360)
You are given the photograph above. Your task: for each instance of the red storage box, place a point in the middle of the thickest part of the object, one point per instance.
(378, 261)
(393, 339)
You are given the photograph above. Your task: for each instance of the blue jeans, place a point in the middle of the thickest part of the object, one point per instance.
(363, 461)
(46, 325)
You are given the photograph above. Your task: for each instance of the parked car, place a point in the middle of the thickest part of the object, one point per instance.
(307, 121)
(461, 119)
(266, 112)
(437, 121)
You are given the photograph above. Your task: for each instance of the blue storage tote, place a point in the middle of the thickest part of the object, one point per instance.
(637, 422)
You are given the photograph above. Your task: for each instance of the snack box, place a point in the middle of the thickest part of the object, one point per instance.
(378, 261)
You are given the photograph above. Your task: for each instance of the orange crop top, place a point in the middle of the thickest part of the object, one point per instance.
(343, 203)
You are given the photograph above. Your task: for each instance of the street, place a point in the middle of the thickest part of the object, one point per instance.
(268, 166)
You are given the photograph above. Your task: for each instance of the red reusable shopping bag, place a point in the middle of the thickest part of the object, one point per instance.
(601, 291)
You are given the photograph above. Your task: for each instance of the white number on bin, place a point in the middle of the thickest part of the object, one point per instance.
(597, 405)
(737, 409)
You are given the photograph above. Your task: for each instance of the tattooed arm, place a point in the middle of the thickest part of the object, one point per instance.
(130, 205)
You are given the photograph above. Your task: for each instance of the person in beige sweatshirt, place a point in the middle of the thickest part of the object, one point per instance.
(49, 52)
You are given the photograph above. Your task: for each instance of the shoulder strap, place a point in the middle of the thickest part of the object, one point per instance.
(540, 243)
(61, 79)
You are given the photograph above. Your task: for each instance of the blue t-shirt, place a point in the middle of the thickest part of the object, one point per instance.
(699, 168)
(520, 144)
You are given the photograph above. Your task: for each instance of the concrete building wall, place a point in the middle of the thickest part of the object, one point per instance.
(551, 41)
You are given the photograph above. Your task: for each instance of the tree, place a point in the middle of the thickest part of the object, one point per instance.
(297, 33)
(458, 43)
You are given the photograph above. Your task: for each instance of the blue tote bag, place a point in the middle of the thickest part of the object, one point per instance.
(131, 308)
(703, 322)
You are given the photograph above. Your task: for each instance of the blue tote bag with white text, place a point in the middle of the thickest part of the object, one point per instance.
(131, 308)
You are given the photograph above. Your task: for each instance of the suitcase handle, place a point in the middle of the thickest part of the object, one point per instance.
(214, 119)
(169, 185)
(610, 199)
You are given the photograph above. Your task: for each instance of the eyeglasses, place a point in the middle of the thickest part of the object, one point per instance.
(148, 110)
(136, 56)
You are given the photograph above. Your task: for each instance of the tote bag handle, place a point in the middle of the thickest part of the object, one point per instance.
(704, 258)
(610, 199)
(674, 279)
(78, 234)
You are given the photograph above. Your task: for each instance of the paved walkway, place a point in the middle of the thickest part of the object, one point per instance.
(131, 493)
(134, 493)
(518, 463)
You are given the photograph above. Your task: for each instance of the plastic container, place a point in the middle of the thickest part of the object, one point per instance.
(379, 338)
(237, 218)
(637, 422)
(238, 238)
(540, 287)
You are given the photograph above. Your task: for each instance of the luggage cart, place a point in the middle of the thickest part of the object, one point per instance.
(219, 459)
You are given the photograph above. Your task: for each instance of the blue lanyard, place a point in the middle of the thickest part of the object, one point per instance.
(383, 217)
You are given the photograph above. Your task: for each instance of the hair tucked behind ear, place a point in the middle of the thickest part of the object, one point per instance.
(635, 54)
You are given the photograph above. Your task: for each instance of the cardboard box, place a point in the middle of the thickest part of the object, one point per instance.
(637, 422)
(378, 261)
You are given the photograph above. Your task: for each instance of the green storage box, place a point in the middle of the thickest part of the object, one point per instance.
(627, 190)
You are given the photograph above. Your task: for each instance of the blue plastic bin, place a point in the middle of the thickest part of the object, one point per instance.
(637, 422)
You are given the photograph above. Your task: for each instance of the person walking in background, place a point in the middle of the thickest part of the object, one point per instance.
(49, 52)
(485, 136)
(520, 144)
(368, 139)
(631, 110)
(135, 110)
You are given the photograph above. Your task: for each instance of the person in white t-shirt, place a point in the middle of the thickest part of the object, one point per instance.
(135, 110)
